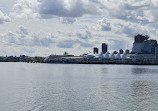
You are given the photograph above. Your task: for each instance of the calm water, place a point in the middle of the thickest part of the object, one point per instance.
(55, 87)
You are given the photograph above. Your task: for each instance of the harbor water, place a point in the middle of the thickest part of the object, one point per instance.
(78, 87)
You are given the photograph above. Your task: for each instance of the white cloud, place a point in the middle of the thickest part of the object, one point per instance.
(104, 25)
(26, 9)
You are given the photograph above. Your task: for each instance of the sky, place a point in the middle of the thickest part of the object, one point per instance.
(44, 27)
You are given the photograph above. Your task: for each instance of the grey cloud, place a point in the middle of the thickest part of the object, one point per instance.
(67, 20)
(4, 18)
(66, 44)
(143, 12)
(131, 29)
(28, 50)
(23, 38)
(133, 11)
(117, 44)
(84, 35)
(50, 8)
(39, 41)
(83, 44)
(105, 25)
(71, 43)
(69, 8)
(22, 31)
(11, 37)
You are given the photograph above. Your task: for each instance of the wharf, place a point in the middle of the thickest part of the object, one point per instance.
(105, 61)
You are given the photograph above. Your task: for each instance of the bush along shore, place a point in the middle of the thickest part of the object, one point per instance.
(22, 58)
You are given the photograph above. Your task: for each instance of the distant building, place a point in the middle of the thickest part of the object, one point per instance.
(95, 50)
(104, 48)
(65, 53)
(142, 45)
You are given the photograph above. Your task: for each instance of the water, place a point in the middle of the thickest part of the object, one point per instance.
(61, 87)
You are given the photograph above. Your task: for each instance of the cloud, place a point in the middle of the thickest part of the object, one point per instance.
(22, 38)
(22, 31)
(84, 35)
(104, 25)
(51, 8)
(67, 20)
(129, 29)
(26, 9)
(41, 41)
(85, 44)
(134, 11)
(68, 8)
(144, 11)
(71, 43)
(66, 44)
(4, 18)
(118, 44)
(113, 21)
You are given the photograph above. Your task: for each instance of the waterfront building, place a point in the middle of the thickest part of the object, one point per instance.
(142, 57)
(115, 52)
(142, 45)
(101, 55)
(124, 56)
(144, 51)
(112, 56)
(104, 48)
(106, 55)
(156, 52)
(95, 50)
(121, 51)
(127, 51)
(118, 56)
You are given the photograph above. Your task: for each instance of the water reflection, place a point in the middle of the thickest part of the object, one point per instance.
(143, 93)
(136, 70)
(35, 87)
(104, 70)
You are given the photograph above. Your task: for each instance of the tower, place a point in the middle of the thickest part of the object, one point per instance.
(104, 48)
(95, 50)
